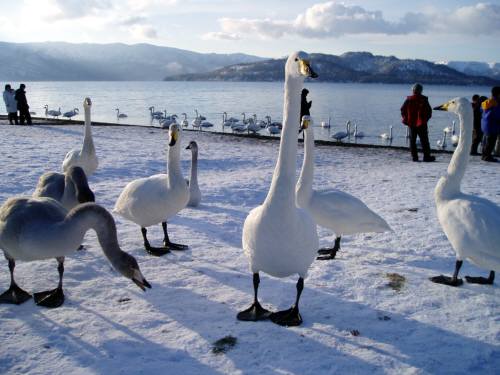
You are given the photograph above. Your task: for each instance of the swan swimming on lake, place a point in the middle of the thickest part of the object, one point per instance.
(387, 136)
(85, 157)
(469, 221)
(41, 228)
(120, 115)
(71, 113)
(279, 238)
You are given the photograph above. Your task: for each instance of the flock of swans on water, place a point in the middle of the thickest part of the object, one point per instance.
(279, 236)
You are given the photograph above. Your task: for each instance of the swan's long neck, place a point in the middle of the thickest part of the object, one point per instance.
(450, 184)
(282, 190)
(92, 216)
(193, 181)
(304, 184)
(88, 142)
(69, 195)
(174, 164)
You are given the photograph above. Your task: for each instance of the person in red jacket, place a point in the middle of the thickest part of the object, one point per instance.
(416, 112)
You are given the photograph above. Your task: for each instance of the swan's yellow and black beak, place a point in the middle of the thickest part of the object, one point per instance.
(442, 107)
(304, 124)
(87, 101)
(174, 136)
(305, 69)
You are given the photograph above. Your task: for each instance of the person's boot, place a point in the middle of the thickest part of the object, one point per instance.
(429, 158)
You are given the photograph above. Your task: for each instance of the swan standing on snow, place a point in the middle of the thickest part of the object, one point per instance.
(152, 200)
(69, 189)
(41, 228)
(279, 238)
(194, 190)
(470, 222)
(86, 157)
(71, 113)
(332, 209)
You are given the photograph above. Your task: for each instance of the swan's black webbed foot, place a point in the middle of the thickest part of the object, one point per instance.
(156, 251)
(481, 280)
(175, 246)
(14, 295)
(446, 280)
(50, 298)
(329, 252)
(287, 318)
(254, 313)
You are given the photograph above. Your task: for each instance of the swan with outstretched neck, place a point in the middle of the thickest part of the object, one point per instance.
(279, 238)
(194, 189)
(471, 223)
(70, 188)
(155, 199)
(332, 209)
(41, 228)
(85, 157)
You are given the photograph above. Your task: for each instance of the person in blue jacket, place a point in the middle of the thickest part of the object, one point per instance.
(490, 123)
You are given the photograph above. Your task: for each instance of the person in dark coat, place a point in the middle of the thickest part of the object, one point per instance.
(416, 112)
(490, 123)
(305, 106)
(477, 133)
(22, 105)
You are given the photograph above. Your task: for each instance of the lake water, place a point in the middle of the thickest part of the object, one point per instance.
(373, 107)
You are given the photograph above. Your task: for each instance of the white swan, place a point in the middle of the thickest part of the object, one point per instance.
(262, 124)
(52, 112)
(71, 113)
(357, 134)
(470, 222)
(326, 125)
(332, 209)
(194, 189)
(339, 136)
(167, 121)
(272, 127)
(387, 136)
(279, 238)
(120, 115)
(156, 115)
(41, 228)
(152, 200)
(184, 122)
(86, 157)
(441, 143)
(197, 120)
(69, 189)
(450, 129)
(254, 126)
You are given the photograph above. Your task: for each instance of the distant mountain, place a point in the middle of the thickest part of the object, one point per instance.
(475, 68)
(348, 67)
(58, 61)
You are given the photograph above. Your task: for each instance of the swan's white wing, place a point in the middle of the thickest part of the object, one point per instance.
(344, 213)
(472, 225)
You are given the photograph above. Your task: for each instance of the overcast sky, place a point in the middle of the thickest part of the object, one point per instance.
(434, 30)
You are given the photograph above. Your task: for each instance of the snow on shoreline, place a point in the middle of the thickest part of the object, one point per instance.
(107, 325)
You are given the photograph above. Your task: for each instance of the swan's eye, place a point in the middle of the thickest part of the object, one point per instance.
(296, 59)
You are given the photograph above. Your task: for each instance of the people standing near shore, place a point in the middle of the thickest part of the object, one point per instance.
(9, 98)
(416, 112)
(22, 105)
(477, 133)
(490, 123)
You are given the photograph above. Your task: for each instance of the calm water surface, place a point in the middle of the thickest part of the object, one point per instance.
(374, 107)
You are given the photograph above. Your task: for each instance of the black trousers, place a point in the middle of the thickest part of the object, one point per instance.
(13, 117)
(24, 115)
(477, 138)
(488, 146)
(423, 134)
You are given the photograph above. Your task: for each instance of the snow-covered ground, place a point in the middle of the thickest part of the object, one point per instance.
(355, 320)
